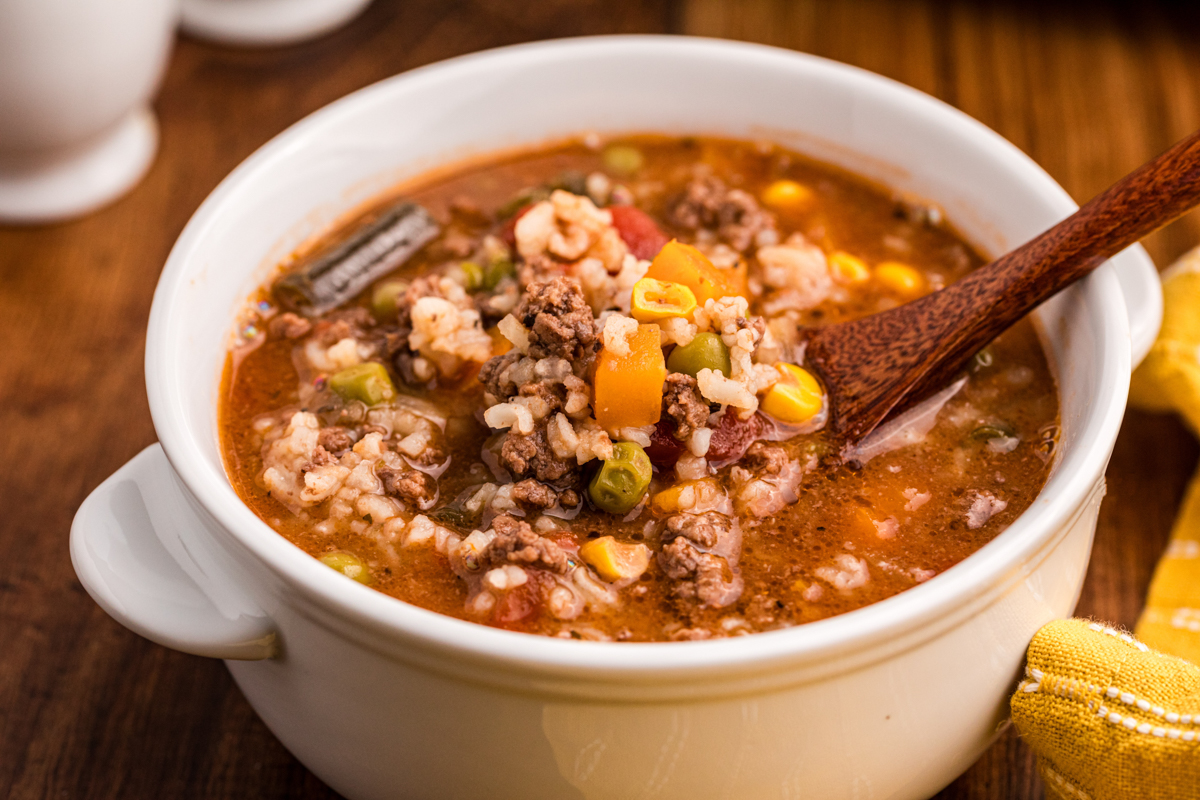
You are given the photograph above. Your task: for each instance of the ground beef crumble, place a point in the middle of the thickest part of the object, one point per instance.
(492, 375)
(516, 543)
(559, 320)
(350, 323)
(683, 403)
(735, 215)
(703, 529)
(531, 494)
(288, 326)
(765, 459)
(335, 439)
(530, 456)
(700, 576)
(320, 458)
(412, 485)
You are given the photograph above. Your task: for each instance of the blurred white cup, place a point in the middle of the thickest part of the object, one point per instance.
(76, 79)
(266, 22)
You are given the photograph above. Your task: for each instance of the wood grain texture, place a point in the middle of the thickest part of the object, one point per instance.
(87, 709)
(880, 364)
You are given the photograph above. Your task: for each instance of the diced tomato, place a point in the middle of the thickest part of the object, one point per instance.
(733, 436)
(638, 230)
(508, 231)
(664, 449)
(522, 606)
(517, 605)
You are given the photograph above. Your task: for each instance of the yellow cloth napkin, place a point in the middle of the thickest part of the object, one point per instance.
(1109, 717)
(1169, 380)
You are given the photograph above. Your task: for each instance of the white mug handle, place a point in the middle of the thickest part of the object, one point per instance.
(1143, 298)
(127, 550)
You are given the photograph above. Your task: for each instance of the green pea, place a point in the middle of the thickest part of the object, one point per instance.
(368, 382)
(706, 351)
(622, 480)
(473, 277)
(497, 271)
(348, 564)
(385, 299)
(622, 159)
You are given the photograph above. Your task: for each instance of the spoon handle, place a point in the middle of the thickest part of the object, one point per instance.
(1140, 203)
(908, 352)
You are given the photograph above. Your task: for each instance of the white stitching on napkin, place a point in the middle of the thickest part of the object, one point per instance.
(1073, 689)
(1068, 788)
(1124, 637)
(1183, 548)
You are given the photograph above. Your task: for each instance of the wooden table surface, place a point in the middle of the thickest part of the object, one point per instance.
(87, 709)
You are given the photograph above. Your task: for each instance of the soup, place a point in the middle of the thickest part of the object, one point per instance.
(579, 406)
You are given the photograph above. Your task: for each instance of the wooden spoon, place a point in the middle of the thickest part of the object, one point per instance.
(888, 361)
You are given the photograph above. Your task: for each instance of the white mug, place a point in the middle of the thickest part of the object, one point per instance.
(76, 79)
(266, 22)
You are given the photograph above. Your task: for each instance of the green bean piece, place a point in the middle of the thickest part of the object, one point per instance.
(622, 159)
(497, 271)
(473, 277)
(706, 351)
(368, 382)
(385, 299)
(348, 564)
(622, 480)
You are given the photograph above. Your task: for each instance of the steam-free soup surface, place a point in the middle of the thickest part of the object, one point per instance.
(439, 436)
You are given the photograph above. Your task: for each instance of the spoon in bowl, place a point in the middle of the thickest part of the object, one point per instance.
(886, 362)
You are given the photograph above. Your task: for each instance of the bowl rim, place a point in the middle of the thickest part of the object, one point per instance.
(863, 628)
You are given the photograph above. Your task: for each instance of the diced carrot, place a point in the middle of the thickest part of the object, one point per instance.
(738, 278)
(682, 263)
(629, 388)
(500, 345)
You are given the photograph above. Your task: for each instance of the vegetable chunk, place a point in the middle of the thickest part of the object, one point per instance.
(682, 263)
(368, 382)
(615, 561)
(622, 480)
(629, 388)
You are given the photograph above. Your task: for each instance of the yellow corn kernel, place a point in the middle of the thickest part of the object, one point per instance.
(847, 268)
(684, 496)
(900, 278)
(615, 561)
(787, 194)
(796, 398)
(654, 300)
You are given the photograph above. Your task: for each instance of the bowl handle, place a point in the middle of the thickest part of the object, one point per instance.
(1143, 299)
(127, 549)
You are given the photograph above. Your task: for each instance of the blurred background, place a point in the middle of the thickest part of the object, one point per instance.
(87, 709)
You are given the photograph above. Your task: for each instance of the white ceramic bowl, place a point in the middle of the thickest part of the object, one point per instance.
(382, 699)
